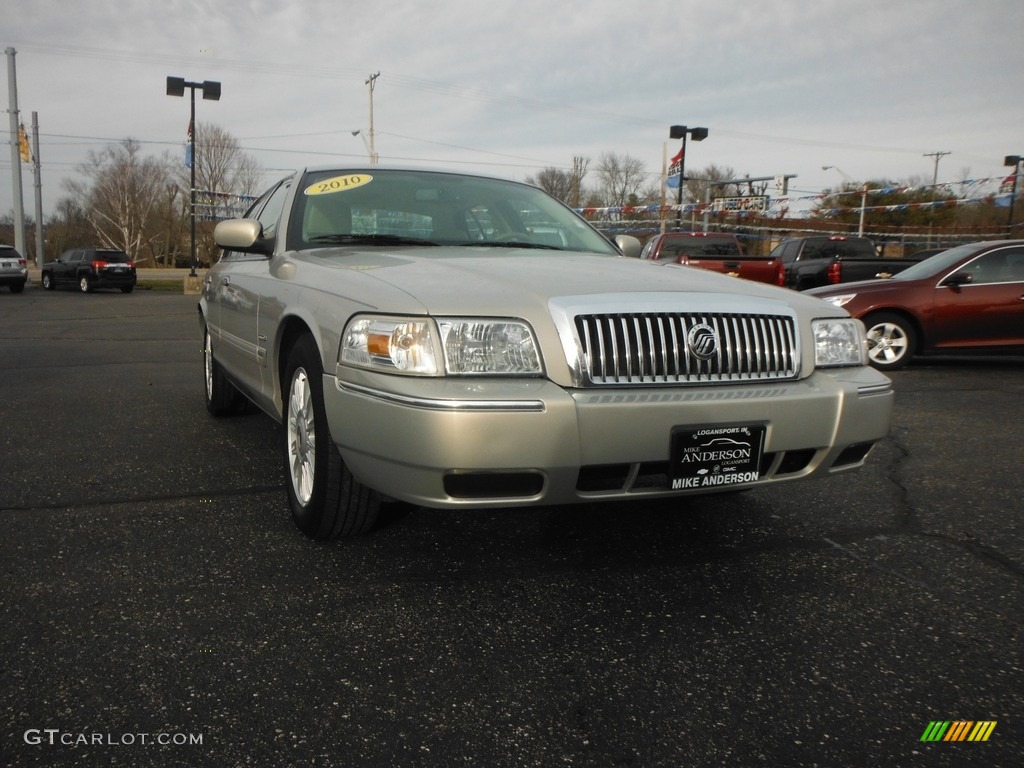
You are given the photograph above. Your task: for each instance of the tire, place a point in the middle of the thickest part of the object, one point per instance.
(48, 283)
(17, 287)
(127, 288)
(892, 340)
(222, 398)
(84, 284)
(326, 501)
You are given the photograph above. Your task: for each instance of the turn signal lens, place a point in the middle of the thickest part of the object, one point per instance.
(397, 345)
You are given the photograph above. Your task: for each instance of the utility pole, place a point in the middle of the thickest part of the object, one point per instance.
(19, 208)
(938, 156)
(935, 180)
(372, 81)
(38, 170)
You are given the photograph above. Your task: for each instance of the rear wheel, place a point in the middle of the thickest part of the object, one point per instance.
(891, 340)
(84, 284)
(17, 287)
(127, 288)
(326, 501)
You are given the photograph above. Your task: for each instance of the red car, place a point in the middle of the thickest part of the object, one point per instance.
(969, 299)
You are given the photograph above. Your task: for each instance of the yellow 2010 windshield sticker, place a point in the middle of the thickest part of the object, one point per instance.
(338, 184)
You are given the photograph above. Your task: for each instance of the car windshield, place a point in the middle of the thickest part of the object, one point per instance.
(939, 262)
(409, 207)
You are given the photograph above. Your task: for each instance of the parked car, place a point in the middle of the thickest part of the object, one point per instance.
(89, 269)
(419, 342)
(810, 262)
(968, 299)
(715, 251)
(13, 269)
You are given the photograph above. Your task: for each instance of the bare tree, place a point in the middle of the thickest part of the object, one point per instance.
(119, 202)
(711, 176)
(555, 182)
(226, 176)
(621, 179)
(67, 227)
(579, 172)
(224, 173)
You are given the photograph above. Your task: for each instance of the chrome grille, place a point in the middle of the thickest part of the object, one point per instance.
(652, 348)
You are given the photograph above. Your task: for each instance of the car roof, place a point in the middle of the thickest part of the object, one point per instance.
(363, 167)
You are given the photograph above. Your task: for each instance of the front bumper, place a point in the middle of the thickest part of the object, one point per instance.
(459, 442)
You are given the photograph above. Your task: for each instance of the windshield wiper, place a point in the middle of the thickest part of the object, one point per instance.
(379, 239)
(513, 244)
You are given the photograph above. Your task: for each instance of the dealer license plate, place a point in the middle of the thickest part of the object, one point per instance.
(715, 456)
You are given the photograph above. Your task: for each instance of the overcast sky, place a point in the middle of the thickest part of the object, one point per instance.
(509, 88)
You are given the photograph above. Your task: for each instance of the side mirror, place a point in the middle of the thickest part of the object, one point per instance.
(958, 278)
(628, 246)
(245, 235)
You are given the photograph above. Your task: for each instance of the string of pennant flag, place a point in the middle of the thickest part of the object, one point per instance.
(787, 201)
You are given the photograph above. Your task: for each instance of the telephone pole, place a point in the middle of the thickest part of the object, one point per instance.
(935, 180)
(372, 81)
(938, 156)
(19, 206)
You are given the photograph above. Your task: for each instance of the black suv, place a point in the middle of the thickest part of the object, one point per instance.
(89, 269)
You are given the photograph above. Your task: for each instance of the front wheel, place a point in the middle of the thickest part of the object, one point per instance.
(326, 501)
(48, 281)
(891, 340)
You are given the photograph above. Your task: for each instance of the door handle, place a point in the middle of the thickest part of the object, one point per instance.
(226, 280)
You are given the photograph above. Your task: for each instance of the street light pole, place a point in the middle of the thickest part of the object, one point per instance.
(680, 132)
(211, 91)
(1013, 160)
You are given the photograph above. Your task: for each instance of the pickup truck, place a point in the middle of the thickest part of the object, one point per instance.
(89, 269)
(714, 251)
(811, 262)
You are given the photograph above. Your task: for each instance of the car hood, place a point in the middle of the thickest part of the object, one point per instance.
(862, 286)
(507, 281)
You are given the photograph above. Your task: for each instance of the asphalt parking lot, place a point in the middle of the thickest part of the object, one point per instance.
(159, 608)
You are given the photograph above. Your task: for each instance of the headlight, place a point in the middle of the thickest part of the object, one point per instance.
(838, 342)
(489, 347)
(839, 301)
(454, 346)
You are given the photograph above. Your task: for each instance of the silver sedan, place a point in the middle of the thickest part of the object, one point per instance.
(455, 340)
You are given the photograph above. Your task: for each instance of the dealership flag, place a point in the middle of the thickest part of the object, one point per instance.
(675, 164)
(188, 147)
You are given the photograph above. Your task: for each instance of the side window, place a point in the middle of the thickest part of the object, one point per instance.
(1003, 266)
(270, 215)
(1015, 265)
